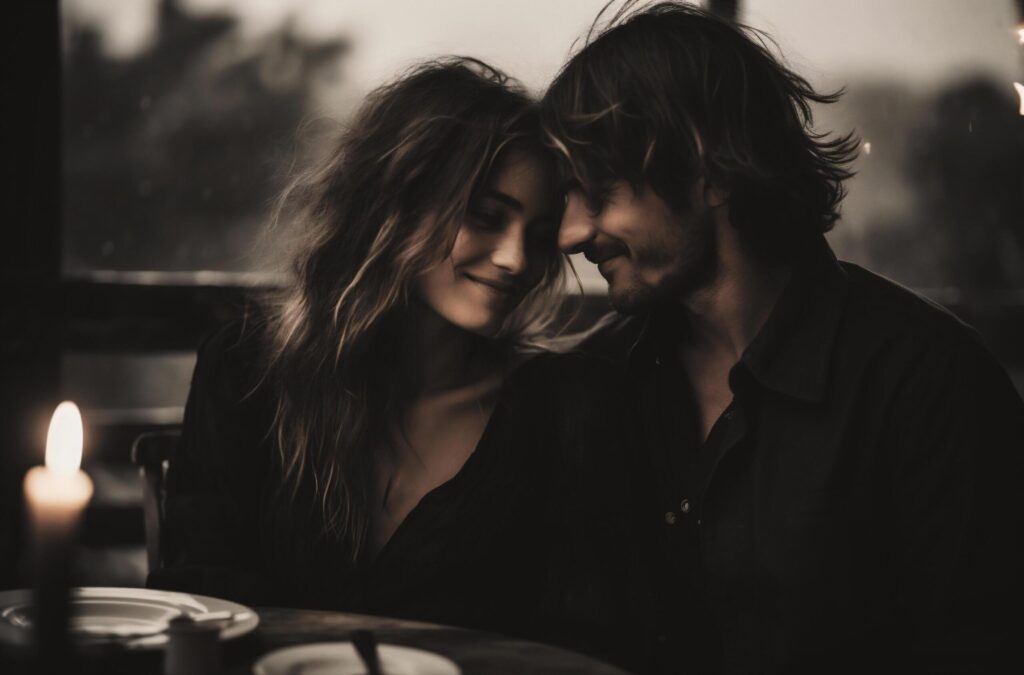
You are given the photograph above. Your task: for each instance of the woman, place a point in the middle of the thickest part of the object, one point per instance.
(383, 439)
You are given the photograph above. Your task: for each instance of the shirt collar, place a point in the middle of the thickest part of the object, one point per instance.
(792, 351)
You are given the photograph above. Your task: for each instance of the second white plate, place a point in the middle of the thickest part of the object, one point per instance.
(341, 658)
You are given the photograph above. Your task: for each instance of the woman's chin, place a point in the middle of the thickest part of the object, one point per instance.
(480, 318)
(484, 324)
(484, 329)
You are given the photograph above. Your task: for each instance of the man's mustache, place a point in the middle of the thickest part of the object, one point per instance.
(598, 253)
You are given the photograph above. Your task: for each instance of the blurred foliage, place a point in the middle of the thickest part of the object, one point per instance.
(958, 155)
(967, 165)
(172, 157)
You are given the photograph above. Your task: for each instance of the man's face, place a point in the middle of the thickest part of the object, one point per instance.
(647, 252)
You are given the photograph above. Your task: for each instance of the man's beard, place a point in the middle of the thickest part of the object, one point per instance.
(693, 261)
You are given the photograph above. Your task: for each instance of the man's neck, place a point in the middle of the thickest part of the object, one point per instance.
(727, 315)
(724, 318)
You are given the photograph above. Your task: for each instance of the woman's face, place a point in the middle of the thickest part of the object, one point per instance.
(502, 249)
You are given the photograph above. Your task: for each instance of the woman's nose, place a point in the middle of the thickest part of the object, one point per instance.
(510, 252)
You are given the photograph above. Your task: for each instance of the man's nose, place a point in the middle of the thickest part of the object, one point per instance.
(577, 227)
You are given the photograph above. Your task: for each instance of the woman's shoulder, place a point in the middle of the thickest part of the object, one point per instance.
(230, 359)
(228, 408)
(238, 340)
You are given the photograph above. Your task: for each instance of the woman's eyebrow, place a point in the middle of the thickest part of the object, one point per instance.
(509, 201)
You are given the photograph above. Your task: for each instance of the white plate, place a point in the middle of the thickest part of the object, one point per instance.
(134, 618)
(341, 658)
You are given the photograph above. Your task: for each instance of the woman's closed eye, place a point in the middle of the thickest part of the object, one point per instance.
(488, 220)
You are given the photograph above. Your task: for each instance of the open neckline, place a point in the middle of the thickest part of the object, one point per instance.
(416, 511)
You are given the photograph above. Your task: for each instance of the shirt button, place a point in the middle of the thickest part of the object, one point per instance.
(657, 360)
(728, 414)
(670, 517)
(684, 506)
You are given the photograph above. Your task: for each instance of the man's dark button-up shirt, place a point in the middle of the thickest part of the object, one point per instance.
(858, 504)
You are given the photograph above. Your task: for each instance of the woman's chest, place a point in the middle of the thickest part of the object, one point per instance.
(425, 452)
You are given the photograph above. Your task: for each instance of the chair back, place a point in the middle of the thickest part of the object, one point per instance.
(153, 452)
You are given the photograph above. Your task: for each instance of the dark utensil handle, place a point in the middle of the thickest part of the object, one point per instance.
(366, 646)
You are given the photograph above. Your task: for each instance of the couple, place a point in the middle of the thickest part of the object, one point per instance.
(767, 461)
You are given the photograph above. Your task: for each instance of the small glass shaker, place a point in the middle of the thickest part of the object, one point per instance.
(193, 647)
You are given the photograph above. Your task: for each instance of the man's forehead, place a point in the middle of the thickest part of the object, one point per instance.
(574, 165)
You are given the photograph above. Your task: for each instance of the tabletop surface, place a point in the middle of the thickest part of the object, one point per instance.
(476, 653)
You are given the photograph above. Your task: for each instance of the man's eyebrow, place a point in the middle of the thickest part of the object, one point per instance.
(509, 201)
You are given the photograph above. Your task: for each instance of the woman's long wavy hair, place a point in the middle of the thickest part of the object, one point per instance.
(385, 205)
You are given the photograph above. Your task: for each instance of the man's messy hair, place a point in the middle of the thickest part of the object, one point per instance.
(667, 94)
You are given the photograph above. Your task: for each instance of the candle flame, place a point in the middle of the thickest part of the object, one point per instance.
(867, 148)
(64, 439)
(1020, 34)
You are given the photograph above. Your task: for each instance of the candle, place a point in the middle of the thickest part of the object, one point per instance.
(56, 494)
(55, 498)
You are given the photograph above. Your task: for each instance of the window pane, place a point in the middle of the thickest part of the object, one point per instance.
(120, 388)
(181, 117)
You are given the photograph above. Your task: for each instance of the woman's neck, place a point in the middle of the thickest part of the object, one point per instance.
(441, 356)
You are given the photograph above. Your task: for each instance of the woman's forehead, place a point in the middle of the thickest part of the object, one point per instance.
(524, 179)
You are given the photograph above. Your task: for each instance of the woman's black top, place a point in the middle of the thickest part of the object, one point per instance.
(532, 537)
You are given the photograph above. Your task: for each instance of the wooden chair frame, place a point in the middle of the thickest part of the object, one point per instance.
(152, 452)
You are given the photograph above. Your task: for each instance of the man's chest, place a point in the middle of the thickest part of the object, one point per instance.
(707, 378)
(782, 498)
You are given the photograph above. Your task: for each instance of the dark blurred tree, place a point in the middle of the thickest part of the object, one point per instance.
(966, 164)
(172, 157)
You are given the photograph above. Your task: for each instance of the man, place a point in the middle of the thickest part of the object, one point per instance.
(836, 461)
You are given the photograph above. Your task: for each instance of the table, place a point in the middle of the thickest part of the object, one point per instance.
(475, 652)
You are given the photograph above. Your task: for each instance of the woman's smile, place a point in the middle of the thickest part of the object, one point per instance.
(503, 288)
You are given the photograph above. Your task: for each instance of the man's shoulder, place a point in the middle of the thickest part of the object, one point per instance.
(880, 309)
(888, 328)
